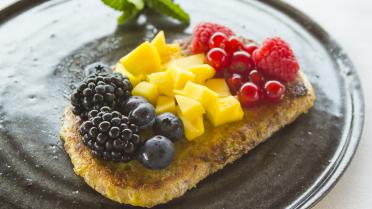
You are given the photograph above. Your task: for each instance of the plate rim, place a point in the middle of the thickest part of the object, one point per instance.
(352, 83)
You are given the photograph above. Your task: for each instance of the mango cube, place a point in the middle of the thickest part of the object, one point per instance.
(133, 79)
(202, 72)
(180, 77)
(163, 81)
(165, 104)
(219, 86)
(142, 60)
(225, 110)
(193, 128)
(187, 62)
(147, 90)
(166, 51)
(200, 93)
(190, 108)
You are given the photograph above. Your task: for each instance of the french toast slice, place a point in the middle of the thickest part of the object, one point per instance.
(131, 183)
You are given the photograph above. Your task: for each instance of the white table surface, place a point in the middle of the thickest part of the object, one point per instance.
(350, 23)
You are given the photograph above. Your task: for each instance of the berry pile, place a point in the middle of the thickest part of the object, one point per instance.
(100, 89)
(110, 135)
(255, 73)
(112, 120)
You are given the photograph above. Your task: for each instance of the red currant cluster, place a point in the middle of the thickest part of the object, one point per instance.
(234, 61)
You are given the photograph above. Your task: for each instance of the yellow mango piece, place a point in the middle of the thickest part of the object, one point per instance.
(133, 79)
(202, 72)
(187, 62)
(193, 128)
(142, 60)
(147, 90)
(190, 108)
(165, 104)
(180, 77)
(166, 51)
(219, 86)
(225, 110)
(200, 93)
(163, 81)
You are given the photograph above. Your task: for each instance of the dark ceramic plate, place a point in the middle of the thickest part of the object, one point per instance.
(44, 46)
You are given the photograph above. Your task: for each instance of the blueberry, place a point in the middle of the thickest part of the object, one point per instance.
(143, 115)
(132, 103)
(169, 125)
(156, 153)
(97, 67)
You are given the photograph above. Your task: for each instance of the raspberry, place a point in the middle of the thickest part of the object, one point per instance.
(276, 59)
(203, 32)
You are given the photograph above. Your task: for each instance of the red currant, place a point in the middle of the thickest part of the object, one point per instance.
(217, 58)
(274, 91)
(235, 82)
(217, 40)
(249, 95)
(241, 63)
(256, 78)
(250, 48)
(232, 45)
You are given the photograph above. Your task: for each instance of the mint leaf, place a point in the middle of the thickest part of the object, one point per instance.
(139, 4)
(132, 8)
(128, 14)
(120, 5)
(168, 7)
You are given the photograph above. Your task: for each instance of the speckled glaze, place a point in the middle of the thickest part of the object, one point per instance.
(44, 47)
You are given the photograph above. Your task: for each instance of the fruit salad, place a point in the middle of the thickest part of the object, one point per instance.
(160, 93)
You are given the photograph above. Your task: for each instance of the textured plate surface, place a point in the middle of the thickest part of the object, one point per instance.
(45, 46)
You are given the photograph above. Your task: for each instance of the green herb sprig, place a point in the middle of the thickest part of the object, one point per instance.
(132, 8)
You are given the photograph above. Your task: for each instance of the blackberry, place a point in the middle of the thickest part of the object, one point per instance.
(98, 90)
(110, 135)
(97, 67)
